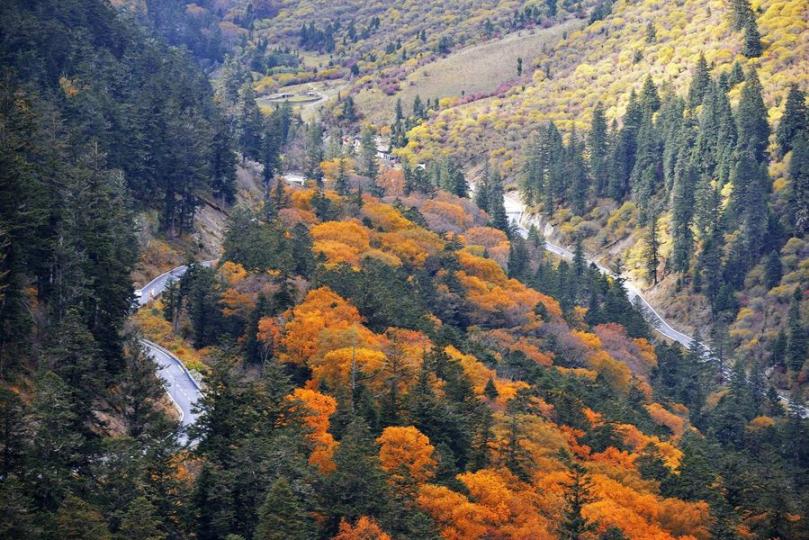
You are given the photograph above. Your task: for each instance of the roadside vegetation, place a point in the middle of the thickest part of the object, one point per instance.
(754, 54)
(382, 353)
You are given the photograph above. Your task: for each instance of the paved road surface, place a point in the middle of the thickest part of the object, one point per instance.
(515, 210)
(154, 288)
(181, 387)
(185, 391)
(516, 214)
(178, 382)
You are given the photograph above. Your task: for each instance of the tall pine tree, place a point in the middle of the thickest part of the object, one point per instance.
(700, 82)
(682, 211)
(652, 250)
(797, 337)
(794, 121)
(799, 183)
(751, 117)
(599, 150)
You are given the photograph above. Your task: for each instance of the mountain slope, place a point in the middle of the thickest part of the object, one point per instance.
(432, 336)
(380, 355)
(662, 51)
(611, 57)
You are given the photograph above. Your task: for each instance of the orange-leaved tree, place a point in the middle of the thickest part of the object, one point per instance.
(405, 352)
(457, 517)
(406, 453)
(269, 335)
(498, 506)
(347, 366)
(321, 310)
(341, 241)
(364, 529)
(317, 409)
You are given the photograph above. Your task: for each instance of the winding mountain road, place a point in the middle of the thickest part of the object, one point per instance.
(185, 391)
(180, 385)
(515, 209)
(517, 214)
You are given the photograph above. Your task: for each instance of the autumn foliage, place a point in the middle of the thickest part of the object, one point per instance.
(495, 295)
(497, 506)
(479, 375)
(323, 317)
(519, 490)
(406, 451)
(364, 529)
(341, 241)
(317, 408)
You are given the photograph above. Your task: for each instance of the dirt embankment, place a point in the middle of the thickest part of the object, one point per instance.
(159, 253)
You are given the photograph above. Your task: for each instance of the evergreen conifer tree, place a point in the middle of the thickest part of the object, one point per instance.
(574, 525)
(482, 195)
(357, 488)
(624, 150)
(700, 82)
(17, 514)
(490, 391)
(283, 515)
(798, 339)
(752, 39)
(78, 519)
(140, 393)
(751, 117)
(682, 205)
(741, 13)
(778, 350)
(553, 161)
(341, 184)
(460, 187)
(794, 121)
(645, 173)
(497, 208)
(518, 258)
(652, 250)
(799, 179)
(651, 32)
(579, 260)
(773, 270)
(756, 212)
(249, 124)
(369, 165)
(223, 164)
(140, 522)
(314, 153)
(599, 149)
(649, 95)
(736, 74)
(532, 177)
(577, 174)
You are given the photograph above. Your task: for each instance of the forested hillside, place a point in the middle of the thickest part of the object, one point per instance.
(379, 352)
(438, 394)
(609, 58)
(669, 140)
(361, 45)
(98, 121)
(380, 42)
